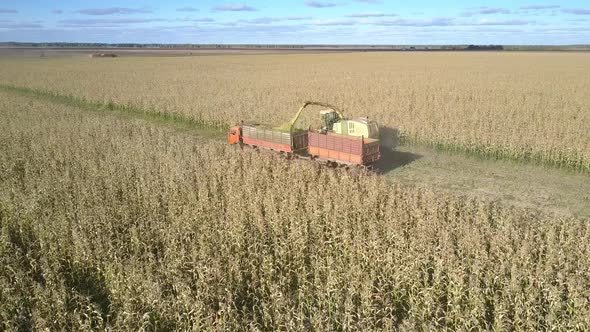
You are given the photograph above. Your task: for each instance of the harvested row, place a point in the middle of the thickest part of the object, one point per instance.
(521, 106)
(122, 225)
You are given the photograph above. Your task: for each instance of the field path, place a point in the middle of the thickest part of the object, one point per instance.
(551, 190)
(524, 185)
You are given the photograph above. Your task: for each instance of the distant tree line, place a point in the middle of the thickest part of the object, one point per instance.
(260, 46)
(485, 47)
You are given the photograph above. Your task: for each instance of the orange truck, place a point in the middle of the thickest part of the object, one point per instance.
(340, 141)
(268, 138)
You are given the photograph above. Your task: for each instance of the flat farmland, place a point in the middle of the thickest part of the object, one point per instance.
(79, 52)
(518, 106)
(122, 207)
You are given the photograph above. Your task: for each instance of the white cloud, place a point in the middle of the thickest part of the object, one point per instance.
(484, 11)
(187, 9)
(107, 22)
(335, 22)
(441, 21)
(370, 14)
(320, 4)
(234, 8)
(502, 22)
(576, 11)
(112, 10)
(22, 25)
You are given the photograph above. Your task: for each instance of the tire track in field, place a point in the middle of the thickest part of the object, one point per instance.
(515, 183)
(187, 123)
(157, 117)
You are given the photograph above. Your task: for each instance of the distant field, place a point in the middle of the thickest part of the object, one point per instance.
(51, 50)
(77, 52)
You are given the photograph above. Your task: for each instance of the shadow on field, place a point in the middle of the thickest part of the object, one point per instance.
(390, 158)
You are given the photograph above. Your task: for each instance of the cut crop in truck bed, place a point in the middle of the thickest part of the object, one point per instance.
(256, 135)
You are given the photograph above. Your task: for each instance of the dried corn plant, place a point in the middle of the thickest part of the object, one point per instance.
(115, 224)
(525, 106)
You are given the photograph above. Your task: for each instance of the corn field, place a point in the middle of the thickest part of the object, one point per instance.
(118, 224)
(518, 106)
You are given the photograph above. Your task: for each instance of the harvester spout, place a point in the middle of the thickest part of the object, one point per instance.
(315, 103)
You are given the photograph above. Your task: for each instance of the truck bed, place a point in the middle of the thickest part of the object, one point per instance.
(343, 149)
(269, 138)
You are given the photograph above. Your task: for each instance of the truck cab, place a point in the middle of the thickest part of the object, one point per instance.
(234, 136)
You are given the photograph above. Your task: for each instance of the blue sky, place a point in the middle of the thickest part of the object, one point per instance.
(298, 21)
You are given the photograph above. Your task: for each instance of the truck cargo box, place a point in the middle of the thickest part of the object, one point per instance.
(343, 149)
(274, 139)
